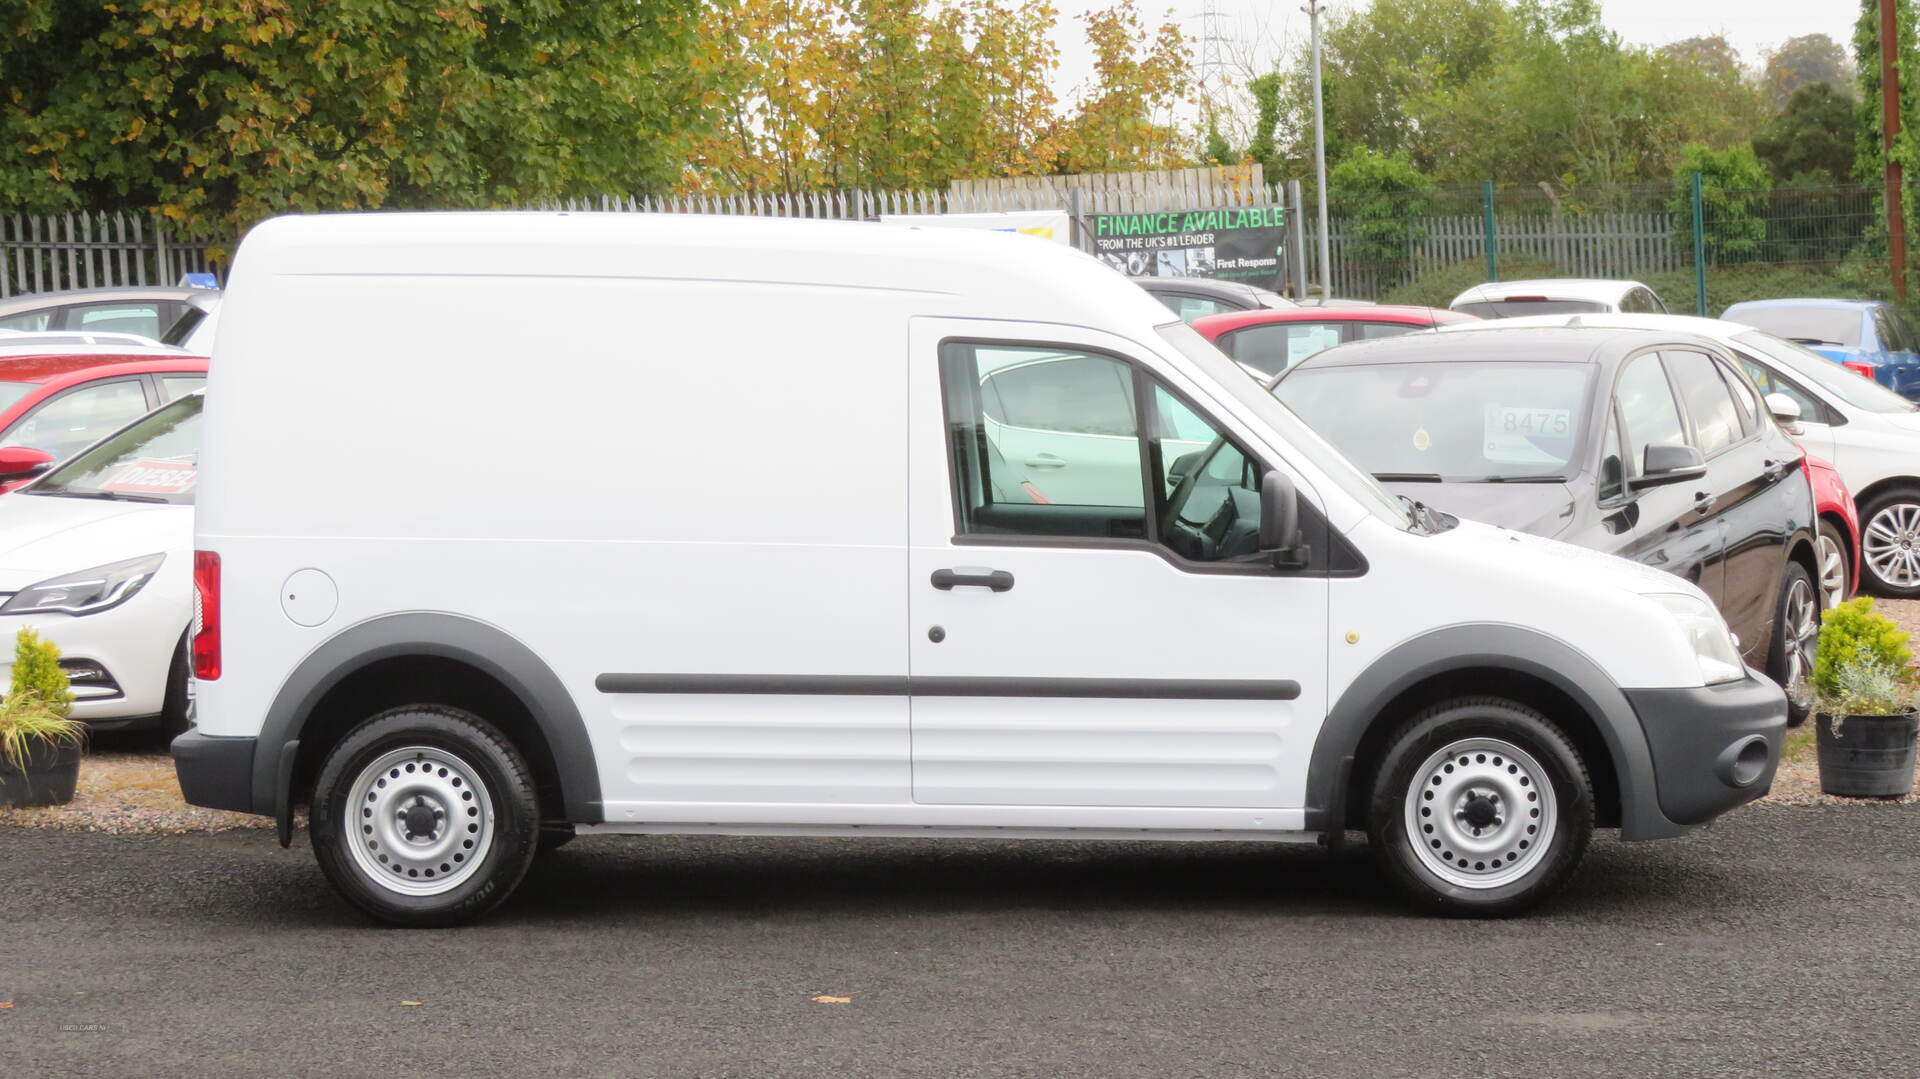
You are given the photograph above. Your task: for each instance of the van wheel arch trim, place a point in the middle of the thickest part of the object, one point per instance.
(444, 636)
(1482, 646)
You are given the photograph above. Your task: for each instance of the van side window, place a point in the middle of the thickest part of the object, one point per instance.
(1058, 443)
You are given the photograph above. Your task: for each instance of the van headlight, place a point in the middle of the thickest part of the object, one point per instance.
(89, 591)
(1706, 632)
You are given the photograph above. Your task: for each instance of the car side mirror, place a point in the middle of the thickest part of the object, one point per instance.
(1668, 463)
(1786, 412)
(21, 462)
(1280, 522)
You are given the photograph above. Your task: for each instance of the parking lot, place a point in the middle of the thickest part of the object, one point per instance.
(1782, 941)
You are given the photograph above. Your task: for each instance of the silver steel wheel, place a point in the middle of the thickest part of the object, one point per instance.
(419, 821)
(1480, 813)
(1801, 628)
(1891, 545)
(1833, 571)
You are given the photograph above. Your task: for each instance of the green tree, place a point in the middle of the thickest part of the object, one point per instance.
(1124, 118)
(1733, 192)
(221, 112)
(1812, 136)
(1524, 91)
(1805, 61)
(1380, 198)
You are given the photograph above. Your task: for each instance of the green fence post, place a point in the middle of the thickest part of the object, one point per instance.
(1699, 252)
(1493, 256)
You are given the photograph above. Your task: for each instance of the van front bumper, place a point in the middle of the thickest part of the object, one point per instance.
(215, 772)
(1713, 747)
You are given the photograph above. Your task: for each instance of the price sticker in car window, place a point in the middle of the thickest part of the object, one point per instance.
(1520, 435)
(149, 476)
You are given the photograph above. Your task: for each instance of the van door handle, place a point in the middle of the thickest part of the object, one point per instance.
(947, 580)
(1046, 460)
(1704, 500)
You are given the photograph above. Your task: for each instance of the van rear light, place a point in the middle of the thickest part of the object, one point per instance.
(206, 615)
(1858, 367)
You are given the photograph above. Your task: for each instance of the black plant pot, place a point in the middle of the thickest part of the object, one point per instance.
(52, 770)
(1869, 756)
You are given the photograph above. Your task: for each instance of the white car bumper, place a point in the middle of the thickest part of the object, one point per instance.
(131, 647)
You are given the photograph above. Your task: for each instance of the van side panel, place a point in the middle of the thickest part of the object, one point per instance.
(651, 477)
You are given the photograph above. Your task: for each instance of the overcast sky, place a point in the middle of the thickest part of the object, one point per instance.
(1751, 25)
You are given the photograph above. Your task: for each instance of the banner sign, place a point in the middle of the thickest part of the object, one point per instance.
(1237, 245)
(1046, 224)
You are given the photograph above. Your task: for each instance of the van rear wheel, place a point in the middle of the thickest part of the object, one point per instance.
(1480, 806)
(425, 816)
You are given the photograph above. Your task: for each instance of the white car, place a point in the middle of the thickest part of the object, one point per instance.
(1870, 434)
(1557, 296)
(97, 555)
(685, 614)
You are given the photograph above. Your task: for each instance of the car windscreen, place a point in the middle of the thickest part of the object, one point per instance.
(12, 392)
(1804, 325)
(1862, 393)
(1521, 307)
(1463, 421)
(154, 459)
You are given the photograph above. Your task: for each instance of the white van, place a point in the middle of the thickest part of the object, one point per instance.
(486, 568)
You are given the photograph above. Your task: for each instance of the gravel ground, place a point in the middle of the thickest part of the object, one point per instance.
(127, 786)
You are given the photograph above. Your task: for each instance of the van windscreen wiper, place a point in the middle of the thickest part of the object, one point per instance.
(1523, 479)
(1408, 477)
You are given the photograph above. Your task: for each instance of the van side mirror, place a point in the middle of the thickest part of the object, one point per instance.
(22, 462)
(1669, 463)
(1786, 412)
(1280, 522)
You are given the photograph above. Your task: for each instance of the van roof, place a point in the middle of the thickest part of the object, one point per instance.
(962, 272)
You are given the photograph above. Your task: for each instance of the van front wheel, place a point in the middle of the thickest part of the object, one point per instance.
(1480, 806)
(425, 816)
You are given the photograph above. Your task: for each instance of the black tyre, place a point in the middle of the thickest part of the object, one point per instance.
(1796, 629)
(425, 816)
(174, 712)
(1890, 544)
(1480, 806)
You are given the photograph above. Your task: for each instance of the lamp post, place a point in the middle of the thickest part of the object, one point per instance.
(1313, 10)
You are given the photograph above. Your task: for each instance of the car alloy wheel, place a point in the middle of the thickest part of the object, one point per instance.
(1891, 544)
(1833, 569)
(1482, 814)
(425, 821)
(1801, 625)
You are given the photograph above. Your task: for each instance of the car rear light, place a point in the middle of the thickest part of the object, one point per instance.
(1864, 370)
(206, 615)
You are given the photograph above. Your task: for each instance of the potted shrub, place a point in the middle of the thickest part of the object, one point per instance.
(1863, 690)
(39, 740)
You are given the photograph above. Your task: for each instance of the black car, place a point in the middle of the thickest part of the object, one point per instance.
(1650, 445)
(1197, 297)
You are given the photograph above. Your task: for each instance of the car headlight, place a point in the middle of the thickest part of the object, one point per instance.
(89, 591)
(1706, 631)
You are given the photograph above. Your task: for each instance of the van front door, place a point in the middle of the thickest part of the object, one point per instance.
(1111, 645)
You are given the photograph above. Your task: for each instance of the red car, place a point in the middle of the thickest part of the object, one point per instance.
(1272, 341)
(1838, 546)
(56, 401)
